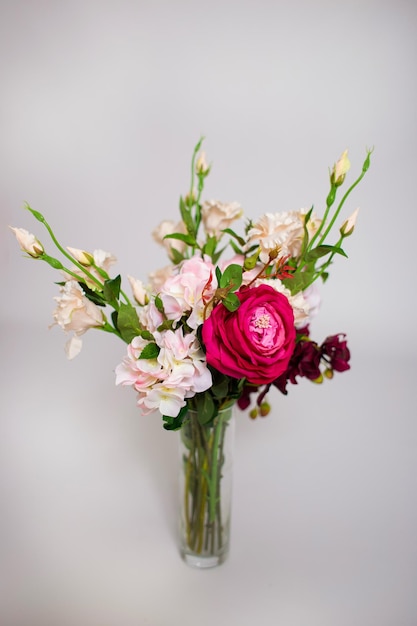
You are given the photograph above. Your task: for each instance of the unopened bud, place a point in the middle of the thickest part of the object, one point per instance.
(201, 166)
(253, 413)
(340, 169)
(348, 227)
(328, 373)
(83, 257)
(28, 242)
(318, 380)
(264, 409)
(190, 199)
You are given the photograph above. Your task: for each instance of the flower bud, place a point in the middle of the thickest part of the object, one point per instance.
(28, 242)
(329, 373)
(348, 227)
(340, 169)
(201, 165)
(253, 413)
(264, 409)
(83, 257)
(139, 291)
(318, 380)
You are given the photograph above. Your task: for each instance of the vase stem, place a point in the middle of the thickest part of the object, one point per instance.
(205, 483)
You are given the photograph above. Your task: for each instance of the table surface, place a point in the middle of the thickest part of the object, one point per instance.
(324, 507)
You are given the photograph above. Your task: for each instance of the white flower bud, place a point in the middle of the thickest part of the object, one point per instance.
(28, 242)
(340, 169)
(348, 226)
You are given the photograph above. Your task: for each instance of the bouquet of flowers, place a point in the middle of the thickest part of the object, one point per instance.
(225, 321)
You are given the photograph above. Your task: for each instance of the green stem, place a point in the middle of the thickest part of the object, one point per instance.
(68, 256)
(332, 221)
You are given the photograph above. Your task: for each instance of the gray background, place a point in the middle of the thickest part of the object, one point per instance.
(101, 105)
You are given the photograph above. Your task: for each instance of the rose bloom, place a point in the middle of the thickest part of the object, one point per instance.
(217, 216)
(254, 342)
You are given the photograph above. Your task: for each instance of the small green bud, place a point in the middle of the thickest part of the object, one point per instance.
(264, 409)
(332, 195)
(328, 373)
(367, 161)
(253, 413)
(318, 380)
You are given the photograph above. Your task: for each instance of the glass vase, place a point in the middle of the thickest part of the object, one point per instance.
(206, 459)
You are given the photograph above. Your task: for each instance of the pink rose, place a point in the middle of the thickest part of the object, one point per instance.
(254, 342)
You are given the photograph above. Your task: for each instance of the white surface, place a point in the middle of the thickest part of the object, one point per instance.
(102, 103)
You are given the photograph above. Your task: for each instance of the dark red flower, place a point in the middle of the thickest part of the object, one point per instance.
(336, 352)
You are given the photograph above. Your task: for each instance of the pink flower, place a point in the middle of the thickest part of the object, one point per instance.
(76, 313)
(28, 242)
(254, 342)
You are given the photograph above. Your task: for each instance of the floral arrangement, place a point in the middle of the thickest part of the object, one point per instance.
(225, 321)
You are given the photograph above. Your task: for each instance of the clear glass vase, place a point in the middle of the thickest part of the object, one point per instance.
(206, 459)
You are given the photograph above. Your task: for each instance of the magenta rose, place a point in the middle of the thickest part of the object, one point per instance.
(254, 342)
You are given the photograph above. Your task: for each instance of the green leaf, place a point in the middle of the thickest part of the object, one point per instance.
(218, 275)
(210, 246)
(176, 256)
(232, 277)
(188, 239)
(205, 407)
(175, 423)
(111, 289)
(220, 388)
(231, 302)
(159, 304)
(231, 232)
(166, 325)
(298, 282)
(150, 351)
(128, 323)
(321, 251)
(235, 248)
(95, 296)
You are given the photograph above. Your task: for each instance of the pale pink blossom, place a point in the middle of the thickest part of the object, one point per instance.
(168, 227)
(99, 259)
(139, 292)
(217, 216)
(75, 313)
(188, 291)
(281, 232)
(178, 372)
(159, 276)
(28, 242)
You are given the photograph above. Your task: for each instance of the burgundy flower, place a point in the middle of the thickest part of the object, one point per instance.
(337, 353)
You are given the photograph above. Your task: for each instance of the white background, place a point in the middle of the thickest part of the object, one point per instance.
(101, 105)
